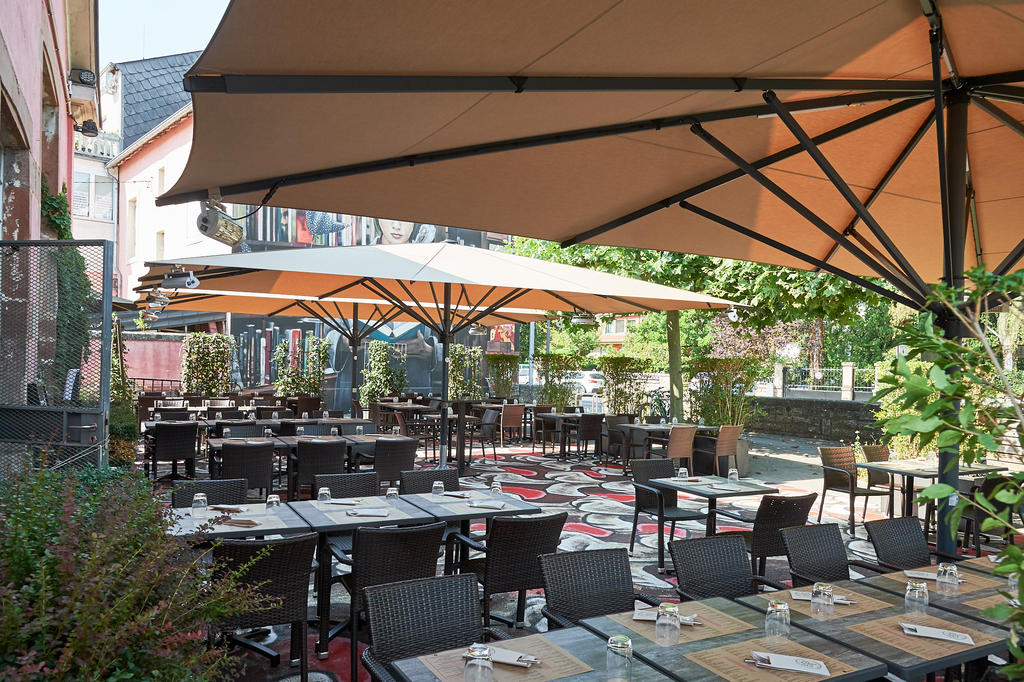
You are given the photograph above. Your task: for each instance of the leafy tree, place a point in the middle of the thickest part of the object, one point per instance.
(863, 341)
(574, 339)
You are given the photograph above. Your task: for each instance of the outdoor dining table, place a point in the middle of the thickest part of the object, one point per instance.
(871, 626)
(717, 649)
(568, 653)
(277, 520)
(559, 418)
(911, 469)
(975, 593)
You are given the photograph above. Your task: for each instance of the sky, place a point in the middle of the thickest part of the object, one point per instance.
(138, 29)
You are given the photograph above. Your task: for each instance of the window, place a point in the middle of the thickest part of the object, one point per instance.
(160, 245)
(92, 196)
(620, 326)
(609, 327)
(630, 323)
(129, 237)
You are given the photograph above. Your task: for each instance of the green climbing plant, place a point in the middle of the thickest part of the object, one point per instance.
(502, 374)
(297, 378)
(206, 363)
(464, 372)
(381, 376)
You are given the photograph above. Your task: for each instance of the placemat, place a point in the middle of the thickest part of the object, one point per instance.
(864, 602)
(339, 512)
(715, 622)
(980, 562)
(728, 661)
(254, 512)
(973, 581)
(986, 602)
(556, 662)
(888, 631)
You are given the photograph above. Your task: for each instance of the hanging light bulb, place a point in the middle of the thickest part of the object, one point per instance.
(477, 330)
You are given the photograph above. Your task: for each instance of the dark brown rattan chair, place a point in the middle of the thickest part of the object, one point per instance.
(774, 512)
(282, 574)
(314, 457)
(817, 554)
(678, 447)
(661, 505)
(224, 413)
(174, 442)
(317, 429)
(900, 544)
(421, 481)
(169, 415)
(716, 566)
(423, 430)
(218, 491)
(510, 556)
(544, 430)
(385, 555)
(392, 456)
(310, 405)
(587, 584)
(587, 429)
(839, 466)
(363, 484)
(242, 428)
(288, 426)
(613, 438)
(252, 460)
(880, 479)
(485, 431)
(418, 617)
(709, 451)
(267, 412)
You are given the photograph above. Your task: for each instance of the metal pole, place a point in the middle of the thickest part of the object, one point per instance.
(353, 344)
(549, 337)
(445, 330)
(105, 359)
(533, 342)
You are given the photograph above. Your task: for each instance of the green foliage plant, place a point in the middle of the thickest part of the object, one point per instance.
(556, 372)
(502, 374)
(720, 392)
(123, 427)
(625, 383)
(206, 363)
(464, 372)
(382, 377)
(94, 587)
(295, 378)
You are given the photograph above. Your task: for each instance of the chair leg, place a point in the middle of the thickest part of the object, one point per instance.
(853, 516)
(521, 608)
(353, 651)
(753, 565)
(487, 610)
(636, 520)
(864, 514)
(821, 504)
(303, 659)
(298, 643)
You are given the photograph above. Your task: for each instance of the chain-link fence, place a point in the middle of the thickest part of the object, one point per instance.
(55, 323)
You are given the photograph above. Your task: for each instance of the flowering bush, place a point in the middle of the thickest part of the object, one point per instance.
(93, 588)
(295, 379)
(206, 363)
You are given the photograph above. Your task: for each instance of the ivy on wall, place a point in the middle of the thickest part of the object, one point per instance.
(464, 372)
(502, 374)
(556, 370)
(295, 380)
(381, 377)
(206, 363)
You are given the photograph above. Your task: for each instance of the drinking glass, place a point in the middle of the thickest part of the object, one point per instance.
(409, 401)
(273, 501)
(947, 580)
(199, 506)
(268, 432)
(300, 430)
(226, 432)
(776, 619)
(496, 488)
(618, 659)
(359, 430)
(252, 415)
(326, 414)
(275, 415)
(192, 416)
(916, 599)
(391, 494)
(734, 475)
(305, 415)
(437, 488)
(663, 421)
(323, 495)
(636, 420)
(478, 664)
(684, 472)
(395, 431)
(666, 627)
(504, 401)
(156, 416)
(822, 601)
(675, 420)
(218, 415)
(1013, 584)
(334, 430)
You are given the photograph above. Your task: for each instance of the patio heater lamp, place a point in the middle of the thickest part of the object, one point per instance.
(218, 225)
(180, 279)
(583, 319)
(477, 330)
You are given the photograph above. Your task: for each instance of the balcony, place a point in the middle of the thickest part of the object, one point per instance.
(103, 146)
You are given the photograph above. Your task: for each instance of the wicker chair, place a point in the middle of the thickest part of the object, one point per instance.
(423, 430)
(169, 415)
(421, 481)
(364, 484)
(588, 584)
(512, 421)
(658, 504)
(510, 556)
(678, 447)
(709, 451)
(171, 404)
(542, 429)
(282, 574)
(314, 457)
(839, 466)
(774, 513)
(613, 437)
(587, 429)
(267, 412)
(715, 566)
(317, 429)
(485, 431)
(288, 426)
(219, 491)
(243, 428)
(417, 617)
(224, 413)
(173, 442)
(385, 555)
(310, 405)
(392, 456)
(817, 553)
(253, 461)
(900, 544)
(880, 479)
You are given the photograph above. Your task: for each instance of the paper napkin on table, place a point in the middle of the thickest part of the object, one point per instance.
(369, 512)
(457, 493)
(228, 510)
(936, 633)
(687, 479)
(799, 595)
(789, 663)
(486, 504)
(507, 657)
(344, 501)
(650, 613)
(995, 558)
(725, 486)
(241, 523)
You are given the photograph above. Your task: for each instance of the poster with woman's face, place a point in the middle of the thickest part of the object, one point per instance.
(387, 232)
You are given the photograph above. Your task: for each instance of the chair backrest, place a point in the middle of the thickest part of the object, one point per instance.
(253, 461)
(512, 416)
(715, 566)
(613, 422)
(392, 456)
(680, 442)
(423, 616)
(387, 555)
(841, 457)
(653, 419)
(363, 484)
(422, 480)
(728, 439)
(170, 415)
(590, 426)
(218, 491)
(588, 583)
(899, 542)
(170, 403)
(319, 457)
(267, 412)
(175, 441)
(816, 553)
(221, 402)
(224, 412)
(242, 428)
(774, 513)
(490, 417)
(308, 404)
(317, 429)
(513, 545)
(289, 425)
(877, 453)
(542, 408)
(282, 574)
(646, 469)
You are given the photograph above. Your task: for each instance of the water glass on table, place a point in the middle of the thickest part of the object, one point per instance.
(666, 626)
(496, 488)
(226, 432)
(199, 506)
(323, 495)
(359, 430)
(734, 475)
(916, 598)
(300, 431)
(395, 431)
(391, 494)
(776, 619)
(275, 415)
(947, 579)
(822, 601)
(618, 659)
(683, 473)
(437, 488)
(273, 501)
(479, 667)
(305, 415)
(334, 430)
(268, 433)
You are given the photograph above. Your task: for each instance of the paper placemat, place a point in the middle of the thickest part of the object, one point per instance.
(864, 602)
(556, 662)
(728, 661)
(986, 602)
(972, 581)
(715, 622)
(888, 631)
(339, 512)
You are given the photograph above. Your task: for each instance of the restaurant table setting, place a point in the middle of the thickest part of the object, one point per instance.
(234, 521)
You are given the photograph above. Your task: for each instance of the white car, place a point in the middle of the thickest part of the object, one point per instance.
(589, 382)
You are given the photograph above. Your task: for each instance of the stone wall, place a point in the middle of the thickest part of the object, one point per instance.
(831, 420)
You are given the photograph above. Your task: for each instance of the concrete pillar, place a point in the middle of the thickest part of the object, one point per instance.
(846, 390)
(779, 380)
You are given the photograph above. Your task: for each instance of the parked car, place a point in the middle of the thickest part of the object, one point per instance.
(589, 382)
(524, 376)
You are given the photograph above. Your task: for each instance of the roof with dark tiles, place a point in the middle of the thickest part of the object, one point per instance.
(151, 91)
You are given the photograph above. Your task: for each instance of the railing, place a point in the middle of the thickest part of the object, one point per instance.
(143, 384)
(864, 379)
(828, 383)
(822, 379)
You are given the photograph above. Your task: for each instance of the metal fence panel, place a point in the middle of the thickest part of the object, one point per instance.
(55, 324)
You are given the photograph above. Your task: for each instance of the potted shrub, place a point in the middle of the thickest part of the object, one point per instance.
(625, 382)
(293, 379)
(381, 377)
(502, 374)
(464, 372)
(555, 371)
(206, 363)
(721, 394)
(124, 434)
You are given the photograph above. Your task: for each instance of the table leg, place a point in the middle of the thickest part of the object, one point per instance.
(323, 595)
(712, 522)
(661, 545)
(908, 495)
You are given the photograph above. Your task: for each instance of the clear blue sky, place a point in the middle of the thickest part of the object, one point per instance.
(137, 29)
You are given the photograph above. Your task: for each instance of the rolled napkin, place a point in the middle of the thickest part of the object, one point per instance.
(486, 504)
(936, 633)
(686, 479)
(507, 657)
(797, 664)
(798, 595)
(376, 511)
(228, 510)
(241, 523)
(650, 614)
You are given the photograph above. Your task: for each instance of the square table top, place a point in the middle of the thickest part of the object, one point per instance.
(981, 564)
(218, 443)
(280, 520)
(978, 593)
(921, 469)
(331, 518)
(456, 509)
(889, 644)
(558, 415)
(702, 488)
(371, 437)
(581, 645)
(732, 625)
(293, 441)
